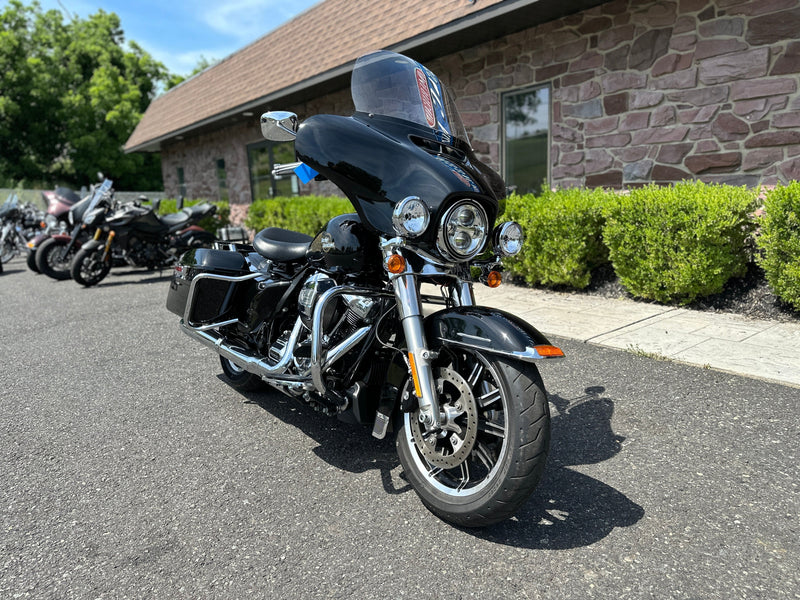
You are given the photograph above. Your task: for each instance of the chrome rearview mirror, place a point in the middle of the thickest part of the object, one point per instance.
(279, 126)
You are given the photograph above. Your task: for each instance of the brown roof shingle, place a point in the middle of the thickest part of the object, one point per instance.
(327, 36)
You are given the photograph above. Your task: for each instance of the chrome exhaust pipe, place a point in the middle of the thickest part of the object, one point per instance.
(248, 362)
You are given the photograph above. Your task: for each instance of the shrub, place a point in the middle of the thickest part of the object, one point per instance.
(678, 243)
(779, 242)
(563, 235)
(306, 214)
(219, 219)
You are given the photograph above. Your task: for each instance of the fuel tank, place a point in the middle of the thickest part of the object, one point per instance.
(345, 246)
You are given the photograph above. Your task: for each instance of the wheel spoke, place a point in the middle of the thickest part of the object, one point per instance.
(492, 428)
(464, 476)
(475, 375)
(488, 398)
(484, 455)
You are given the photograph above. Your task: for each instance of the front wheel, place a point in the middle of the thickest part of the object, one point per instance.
(31, 260)
(8, 250)
(485, 462)
(53, 259)
(88, 267)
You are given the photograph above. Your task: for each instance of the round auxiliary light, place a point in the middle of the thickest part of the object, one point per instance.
(411, 217)
(463, 231)
(508, 238)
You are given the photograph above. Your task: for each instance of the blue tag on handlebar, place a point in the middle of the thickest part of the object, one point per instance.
(305, 173)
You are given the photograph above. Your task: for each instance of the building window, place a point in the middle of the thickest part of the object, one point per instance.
(526, 127)
(222, 180)
(261, 157)
(181, 183)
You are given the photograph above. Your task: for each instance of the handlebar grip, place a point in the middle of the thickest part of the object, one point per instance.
(287, 169)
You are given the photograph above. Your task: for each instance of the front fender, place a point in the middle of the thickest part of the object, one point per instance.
(488, 330)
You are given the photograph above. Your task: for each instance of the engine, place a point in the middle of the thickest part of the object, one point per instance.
(142, 253)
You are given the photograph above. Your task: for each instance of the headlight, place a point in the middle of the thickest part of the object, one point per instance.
(463, 231)
(50, 220)
(410, 217)
(508, 238)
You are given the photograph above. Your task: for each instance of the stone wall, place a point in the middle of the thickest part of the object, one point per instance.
(643, 91)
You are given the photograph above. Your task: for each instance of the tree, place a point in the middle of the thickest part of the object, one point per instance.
(202, 64)
(70, 96)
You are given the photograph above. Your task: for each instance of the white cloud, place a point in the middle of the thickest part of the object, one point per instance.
(246, 20)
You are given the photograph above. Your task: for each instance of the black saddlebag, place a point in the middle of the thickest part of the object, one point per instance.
(214, 298)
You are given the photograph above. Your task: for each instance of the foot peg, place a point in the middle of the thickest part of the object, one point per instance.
(381, 425)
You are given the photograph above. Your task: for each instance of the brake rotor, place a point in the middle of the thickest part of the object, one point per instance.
(449, 446)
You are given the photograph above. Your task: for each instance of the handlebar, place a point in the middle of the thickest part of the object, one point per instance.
(282, 170)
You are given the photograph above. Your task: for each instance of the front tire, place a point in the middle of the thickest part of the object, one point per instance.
(88, 267)
(53, 260)
(31, 260)
(483, 466)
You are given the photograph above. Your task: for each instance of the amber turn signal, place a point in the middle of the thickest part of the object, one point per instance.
(549, 351)
(395, 264)
(494, 279)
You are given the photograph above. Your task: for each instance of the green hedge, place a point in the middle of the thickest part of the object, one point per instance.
(678, 243)
(563, 235)
(306, 214)
(219, 219)
(779, 242)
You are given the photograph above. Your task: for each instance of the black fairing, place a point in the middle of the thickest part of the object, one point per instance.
(377, 161)
(345, 246)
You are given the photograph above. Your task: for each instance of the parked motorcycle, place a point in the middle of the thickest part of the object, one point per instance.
(137, 236)
(18, 223)
(58, 203)
(337, 319)
(54, 255)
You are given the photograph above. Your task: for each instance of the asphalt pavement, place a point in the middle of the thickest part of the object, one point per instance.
(130, 470)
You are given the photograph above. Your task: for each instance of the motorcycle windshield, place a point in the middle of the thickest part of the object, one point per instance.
(96, 197)
(9, 205)
(392, 85)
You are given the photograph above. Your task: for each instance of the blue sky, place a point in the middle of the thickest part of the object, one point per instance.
(179, 32)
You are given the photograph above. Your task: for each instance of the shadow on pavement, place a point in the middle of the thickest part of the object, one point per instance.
(567, 510)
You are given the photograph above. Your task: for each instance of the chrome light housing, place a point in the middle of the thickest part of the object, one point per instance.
(411, 217)
(508, 238)
(463, 231)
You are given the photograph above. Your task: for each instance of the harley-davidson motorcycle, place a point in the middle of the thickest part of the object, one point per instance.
(56, 219)
(340, 320)
(135, 235)
(18, 223)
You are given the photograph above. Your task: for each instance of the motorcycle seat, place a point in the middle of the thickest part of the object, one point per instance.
(281, 245)
(194, 213)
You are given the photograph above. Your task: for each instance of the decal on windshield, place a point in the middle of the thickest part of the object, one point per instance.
(425, 96)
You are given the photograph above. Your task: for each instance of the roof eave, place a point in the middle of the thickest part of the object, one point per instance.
(475, 29)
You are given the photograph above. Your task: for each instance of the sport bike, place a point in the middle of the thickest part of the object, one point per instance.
(54, 255)
(135, 235)
(340, 320)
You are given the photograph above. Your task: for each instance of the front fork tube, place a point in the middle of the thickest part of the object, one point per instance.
(107, 249)
(419, 355)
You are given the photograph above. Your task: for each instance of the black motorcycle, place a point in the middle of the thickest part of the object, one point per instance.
(135, 235)
(337, 320)
(18, 224)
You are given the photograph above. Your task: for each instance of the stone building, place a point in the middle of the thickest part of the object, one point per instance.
(582, 93)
